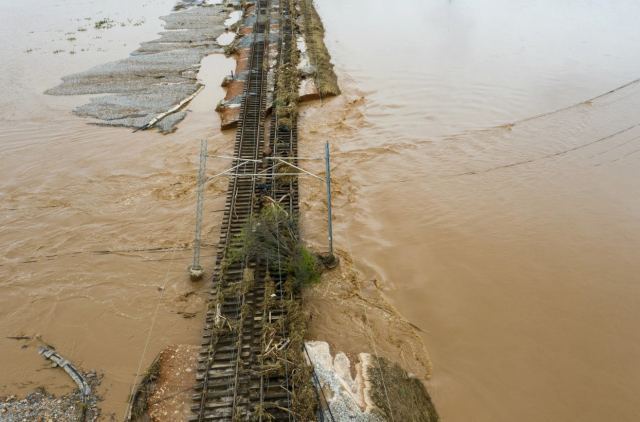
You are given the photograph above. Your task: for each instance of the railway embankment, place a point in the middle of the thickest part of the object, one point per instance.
(257, 359)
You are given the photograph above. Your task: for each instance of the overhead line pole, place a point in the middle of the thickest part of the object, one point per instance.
(328, 180)
(195, 270)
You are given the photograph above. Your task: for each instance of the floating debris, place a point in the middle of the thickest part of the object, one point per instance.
(104, 24)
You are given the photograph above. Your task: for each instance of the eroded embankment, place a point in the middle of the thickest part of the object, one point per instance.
(349, 310)
(368, 387)
(320, 66)
(153, 84)
(370, 360)
(306, 74)
(382, 388)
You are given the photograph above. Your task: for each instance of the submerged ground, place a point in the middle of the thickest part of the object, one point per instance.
(508, 243)
(511, 244)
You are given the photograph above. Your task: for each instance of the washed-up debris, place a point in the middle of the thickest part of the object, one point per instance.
(19, 337)
(149, 88)
(40, 405)
(68, 367)
(379, 391)
(105, 23)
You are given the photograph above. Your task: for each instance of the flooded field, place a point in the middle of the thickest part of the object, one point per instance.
(484, 177)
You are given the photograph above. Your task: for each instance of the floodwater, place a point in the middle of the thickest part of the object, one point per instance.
(96, 223)
(510, 242)
(496, 206)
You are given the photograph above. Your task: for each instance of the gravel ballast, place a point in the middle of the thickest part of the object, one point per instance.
(159, 75)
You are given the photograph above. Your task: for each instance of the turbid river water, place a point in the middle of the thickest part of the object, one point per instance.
(507, 233)
(96, 222)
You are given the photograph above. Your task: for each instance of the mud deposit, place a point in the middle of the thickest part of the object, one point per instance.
(157, 77)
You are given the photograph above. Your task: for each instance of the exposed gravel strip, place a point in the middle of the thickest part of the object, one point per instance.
(43, 406)
(156, 76)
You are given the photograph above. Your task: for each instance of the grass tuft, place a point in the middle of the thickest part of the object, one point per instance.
(397, 395)
(105, 23)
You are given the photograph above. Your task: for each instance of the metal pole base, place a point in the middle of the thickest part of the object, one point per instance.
(329, 260)
(196, 272)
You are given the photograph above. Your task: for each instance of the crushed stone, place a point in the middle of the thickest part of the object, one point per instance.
(157, 76)
(41, 405)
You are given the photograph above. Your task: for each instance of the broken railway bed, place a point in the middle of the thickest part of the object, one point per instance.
(249, 367)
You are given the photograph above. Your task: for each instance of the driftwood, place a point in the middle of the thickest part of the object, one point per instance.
(19, 338)
(171, 110)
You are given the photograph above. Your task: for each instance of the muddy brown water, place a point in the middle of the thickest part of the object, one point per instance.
(511, 245)
(96, 223)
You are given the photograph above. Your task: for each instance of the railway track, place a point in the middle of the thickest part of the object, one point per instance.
(248, 298)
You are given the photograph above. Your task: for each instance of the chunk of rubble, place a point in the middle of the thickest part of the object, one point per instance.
(373, 389)
(346, 395)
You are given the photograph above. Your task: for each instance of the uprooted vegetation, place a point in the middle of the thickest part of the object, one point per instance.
(288, 76)
(282, 356)
(105, 23)
(286, 103)
(397, 395)
(325, 77)
(272, 238)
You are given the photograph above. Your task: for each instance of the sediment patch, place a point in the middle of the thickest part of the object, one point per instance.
(151, 85)
(353, 315)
